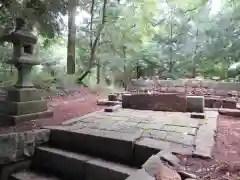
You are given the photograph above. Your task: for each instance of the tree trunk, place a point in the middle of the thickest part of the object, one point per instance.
(93, 45)
(98, 71)
(71, 37)
(194, 65)
(171, 49)
(124, 69)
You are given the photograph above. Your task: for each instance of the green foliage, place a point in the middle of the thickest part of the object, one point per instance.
(170, 38)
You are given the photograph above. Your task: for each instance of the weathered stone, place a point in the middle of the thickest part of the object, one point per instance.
(22, 94)
(112, 109)
(195, 104)
(186, 175)
(158, 102)
(102, 143)
(180, 129)
(140, 175)
(9, 147)
(229, 112)
(23, 175)
(107, 103)
(152, 165)
(182, 138)
(166, 173)
(71, 164)
(19, 106)
(155, 134)
(204, 142)
(146, 147)
(15, 146)
(169, 157)
(112, 97)
(8, 169)
(101, 169)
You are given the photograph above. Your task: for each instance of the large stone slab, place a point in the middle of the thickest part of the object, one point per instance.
(101, 169)
(146, 147)
(111, 145)
(140, 175)
(158, 102)
(205, 138)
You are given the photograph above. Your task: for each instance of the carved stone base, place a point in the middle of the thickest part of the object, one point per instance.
(10, 120)
(22, 104)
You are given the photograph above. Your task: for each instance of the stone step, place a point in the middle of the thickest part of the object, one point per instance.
(69, 165)
(31, 175)
(109, 145)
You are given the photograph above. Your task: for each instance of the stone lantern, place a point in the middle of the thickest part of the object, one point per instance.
(23, 101)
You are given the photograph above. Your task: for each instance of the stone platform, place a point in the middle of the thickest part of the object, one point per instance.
(112, 145)
(152, 130)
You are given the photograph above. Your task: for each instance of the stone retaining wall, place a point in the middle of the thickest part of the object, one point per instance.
(159, 102)
(15, 148)
(173, 102)
(219, 86)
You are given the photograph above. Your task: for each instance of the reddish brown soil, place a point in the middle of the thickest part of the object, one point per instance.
(225, 164)
(78, 103)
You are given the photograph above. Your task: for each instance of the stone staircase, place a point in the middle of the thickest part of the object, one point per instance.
(80, 156)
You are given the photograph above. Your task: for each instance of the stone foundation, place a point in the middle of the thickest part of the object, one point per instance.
(212, 102)
(173, 102)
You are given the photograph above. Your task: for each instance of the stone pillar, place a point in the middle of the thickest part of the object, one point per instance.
(23, 101)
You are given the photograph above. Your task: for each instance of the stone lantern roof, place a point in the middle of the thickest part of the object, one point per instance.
(20, 35)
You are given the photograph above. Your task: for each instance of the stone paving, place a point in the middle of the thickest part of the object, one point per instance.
(176, 131)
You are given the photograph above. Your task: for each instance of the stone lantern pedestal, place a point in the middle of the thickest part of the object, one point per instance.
(23, 101)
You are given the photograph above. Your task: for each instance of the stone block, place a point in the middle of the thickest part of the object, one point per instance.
(24, 175)
(166, 173)
(174, 102)
(107, 103)
(112, 108)
(9, 120)
(230, 104)
(16, 146)
(152, 165)
(126, 100)
(146, 147)
(229, 112)
(169, 157)
(101, 169)
(140, 175)
(22, 94)
(8, 169)
(195, 104)
(66, 164)
(110, 145)
(21, 108)
(112, 97)
(186, 175)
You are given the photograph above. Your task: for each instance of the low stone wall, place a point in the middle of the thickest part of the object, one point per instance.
(159, 102)
(16, 148)
(220, 87)
(211, 102)
(173, 102)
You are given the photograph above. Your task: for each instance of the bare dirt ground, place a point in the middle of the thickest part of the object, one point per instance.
(225, 164)
(79, 102)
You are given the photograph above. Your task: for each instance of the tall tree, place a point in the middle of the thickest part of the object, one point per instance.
(71, 55)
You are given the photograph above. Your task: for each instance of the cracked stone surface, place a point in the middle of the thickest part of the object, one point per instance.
(159, 130)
